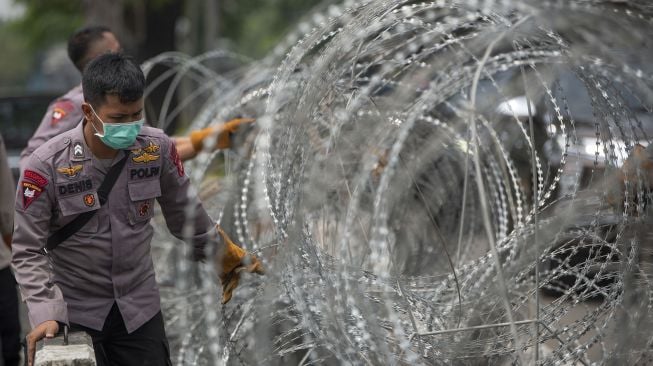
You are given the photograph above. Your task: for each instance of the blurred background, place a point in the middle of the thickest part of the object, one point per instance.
(34, 67)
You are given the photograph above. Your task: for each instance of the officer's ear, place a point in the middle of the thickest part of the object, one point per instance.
(88, 112)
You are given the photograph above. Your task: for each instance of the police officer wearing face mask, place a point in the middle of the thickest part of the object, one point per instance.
(100, 277)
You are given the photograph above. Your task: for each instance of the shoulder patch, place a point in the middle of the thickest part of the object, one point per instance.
(60, 110)
(174, 156)
(35, 177)
(32, 186)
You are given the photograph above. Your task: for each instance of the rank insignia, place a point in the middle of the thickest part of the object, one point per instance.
(145, 158)
(61, 110)
(89, 199)
(70, 171)
(78, 149)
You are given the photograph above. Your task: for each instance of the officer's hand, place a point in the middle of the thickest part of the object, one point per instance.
(637, 160)
(223, 132)
(227, 129)
(47, 329)
(233, 261)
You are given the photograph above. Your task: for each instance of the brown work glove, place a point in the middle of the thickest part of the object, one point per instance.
(232, 261)
(637, 161)
(223, 132)
(614, 188)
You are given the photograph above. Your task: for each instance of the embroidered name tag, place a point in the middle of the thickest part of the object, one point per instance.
(75, 187)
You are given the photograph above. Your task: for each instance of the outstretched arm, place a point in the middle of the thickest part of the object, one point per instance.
(220, 136)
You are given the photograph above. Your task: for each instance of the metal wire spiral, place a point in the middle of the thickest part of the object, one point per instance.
(428, 182)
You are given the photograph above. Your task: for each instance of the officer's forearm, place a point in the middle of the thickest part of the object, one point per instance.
(32, 269)
(43, 298)
(184, 148)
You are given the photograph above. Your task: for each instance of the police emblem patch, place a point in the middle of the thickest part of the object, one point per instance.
(70, 171)
(144, 209)
(89, 199)
(30, 193)
(61, 110)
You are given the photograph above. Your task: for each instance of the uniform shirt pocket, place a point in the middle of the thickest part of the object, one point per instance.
(142, 195)
(74, 205)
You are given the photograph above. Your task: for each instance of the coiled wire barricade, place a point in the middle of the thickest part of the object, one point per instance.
(428, 183)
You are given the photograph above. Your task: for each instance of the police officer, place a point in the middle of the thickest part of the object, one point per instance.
(102, 278)
(9, 324)
(65, 112)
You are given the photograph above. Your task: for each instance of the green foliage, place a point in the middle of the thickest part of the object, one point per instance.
(153, 4)
(48, 21)
(253, 26)
(14, 69)
(256, 26)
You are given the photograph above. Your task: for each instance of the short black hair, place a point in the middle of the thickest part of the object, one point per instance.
(112, 74)
(80, 42)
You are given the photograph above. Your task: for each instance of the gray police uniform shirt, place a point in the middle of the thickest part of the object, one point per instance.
(63, 115)
(109, 259)
(7, 192)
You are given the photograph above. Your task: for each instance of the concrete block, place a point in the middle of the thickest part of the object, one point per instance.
(78, 352)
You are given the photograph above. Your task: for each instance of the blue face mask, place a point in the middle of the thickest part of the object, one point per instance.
(118, 136)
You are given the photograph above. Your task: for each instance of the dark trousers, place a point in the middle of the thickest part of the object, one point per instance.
(146, 346)
(9, 321)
